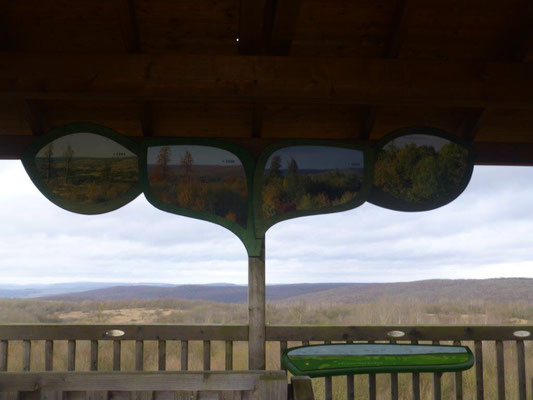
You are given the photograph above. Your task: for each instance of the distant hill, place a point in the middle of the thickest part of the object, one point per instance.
(217, 293)
(431, 291)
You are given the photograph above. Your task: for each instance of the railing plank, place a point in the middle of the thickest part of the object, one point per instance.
(350, 383)
(500, 370)
(117, 353)
(437, 386)
(372, 392)
(207, 355)
(139, 355)
(184, 355)
(71, 355)
(415, 381)
(229, 355)
(480, 391)
(162, 355)
(3, 355)
(26, 355)
(282, 348)
(94, 355)
(49, 355)
(521, 365)
(328, 383)
(458, 379)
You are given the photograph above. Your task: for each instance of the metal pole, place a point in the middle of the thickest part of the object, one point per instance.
(256, 311)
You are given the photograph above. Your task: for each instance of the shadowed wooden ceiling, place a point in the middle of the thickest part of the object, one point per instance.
(255, 71)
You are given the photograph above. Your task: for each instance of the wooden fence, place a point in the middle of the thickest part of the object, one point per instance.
(480, 338)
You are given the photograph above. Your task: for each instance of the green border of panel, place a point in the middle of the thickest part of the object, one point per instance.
(252, 243)
(263, 225)
(384, 369)
(28, 160)
(399, 205)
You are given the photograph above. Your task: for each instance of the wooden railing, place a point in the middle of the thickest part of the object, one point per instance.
(499, 372)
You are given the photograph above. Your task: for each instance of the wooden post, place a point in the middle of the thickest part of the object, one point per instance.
(256, 311)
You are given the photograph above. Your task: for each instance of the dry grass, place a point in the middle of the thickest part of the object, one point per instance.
(382, 312)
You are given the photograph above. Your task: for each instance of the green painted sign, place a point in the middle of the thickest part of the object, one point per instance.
(349, 359)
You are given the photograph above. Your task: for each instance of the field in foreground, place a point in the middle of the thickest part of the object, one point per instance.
(384, 311)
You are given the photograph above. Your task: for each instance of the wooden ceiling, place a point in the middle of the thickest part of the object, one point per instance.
(255, 71)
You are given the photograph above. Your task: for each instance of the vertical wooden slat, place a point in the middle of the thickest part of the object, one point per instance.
(480, 392)
(162, 359)
(184, 355)
(458, 380)
(393, 382)
(117, 352)
(229, 355)
(350, 389)
(207, 355)
(282, 348)
(500, 369)
(415, 381)
(372, 383)
(26, 355)
(3, 355)
(521, 365)
(139, 355)
(437, 386)
(71, 355)
(48, 355)
(94, 355)
(328, 386)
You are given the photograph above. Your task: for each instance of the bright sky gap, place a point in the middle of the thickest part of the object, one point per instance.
(486, 233)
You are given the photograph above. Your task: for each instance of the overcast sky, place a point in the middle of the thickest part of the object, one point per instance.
(486, 232)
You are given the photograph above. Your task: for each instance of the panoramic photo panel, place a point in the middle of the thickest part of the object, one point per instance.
(310, 179)
(200, 179)
(420, 172)
(86, 172)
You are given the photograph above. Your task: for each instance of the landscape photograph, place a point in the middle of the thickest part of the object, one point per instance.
(85, 168)
(303, 178)
(199, 178)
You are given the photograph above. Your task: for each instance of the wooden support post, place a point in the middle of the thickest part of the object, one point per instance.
(256, 311)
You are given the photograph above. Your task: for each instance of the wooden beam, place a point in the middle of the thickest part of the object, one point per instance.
(266, 79)
(129, 25)
(252, 26)
(146, 118)
(470, 122)
(283, 26)
(367, 119)
(36, 117)
(398, 30)
(257, 120)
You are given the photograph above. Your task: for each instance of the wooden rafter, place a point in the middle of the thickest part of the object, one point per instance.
(398, 30)
(146, 118)
(252, 26)
(129, 25)
(266, 79)
(257, 120)
(367, 118)
(520, 38)
(283, 26)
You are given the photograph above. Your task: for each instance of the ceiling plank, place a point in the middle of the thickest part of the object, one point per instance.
(146, 118)
(283, 26)
(520, 39)
(129, 25)
(252, 26)
(265, 79)
(398, 30)
(257, 120)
